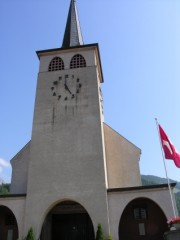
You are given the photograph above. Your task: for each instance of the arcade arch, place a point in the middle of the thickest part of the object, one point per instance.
(67, 220)
(142, 219)
(8, 224)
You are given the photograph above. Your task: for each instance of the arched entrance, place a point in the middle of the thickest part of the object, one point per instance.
(8, 224)
(67, 221)
(142, 219)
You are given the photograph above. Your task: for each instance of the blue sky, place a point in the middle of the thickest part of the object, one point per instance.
(140, 51)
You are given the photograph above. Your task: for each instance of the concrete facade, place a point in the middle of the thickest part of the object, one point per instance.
(19, 165)
(73, 155)
(119, 199)
(17, 205)
(61, 146)
(122, 160)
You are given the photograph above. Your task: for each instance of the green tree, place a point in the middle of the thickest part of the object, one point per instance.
(178, 203)
(4, 188)
(109, 237)
(99, 233)
(30, 235)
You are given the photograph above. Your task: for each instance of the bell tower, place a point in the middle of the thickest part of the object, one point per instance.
(67, 155)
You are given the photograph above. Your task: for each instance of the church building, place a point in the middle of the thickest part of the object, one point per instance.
(76, 171)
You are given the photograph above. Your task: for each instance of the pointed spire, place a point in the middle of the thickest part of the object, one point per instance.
(72, 35)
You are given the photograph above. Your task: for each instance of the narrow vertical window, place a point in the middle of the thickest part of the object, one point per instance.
(78, 61)
(56, 64)
(140, 213)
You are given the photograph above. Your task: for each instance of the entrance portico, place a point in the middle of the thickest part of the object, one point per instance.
(68, 220)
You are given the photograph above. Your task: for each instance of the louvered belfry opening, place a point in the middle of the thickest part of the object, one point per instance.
(56, 64)
(78, 61)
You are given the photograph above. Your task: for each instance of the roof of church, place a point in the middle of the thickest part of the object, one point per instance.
(72, 35)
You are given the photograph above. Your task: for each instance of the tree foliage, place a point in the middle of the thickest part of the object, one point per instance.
(30, 235)
(109, 237)
(178, 203)
(99, 233)
(4, 188)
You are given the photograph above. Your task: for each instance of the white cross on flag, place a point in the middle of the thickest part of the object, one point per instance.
(170, 151)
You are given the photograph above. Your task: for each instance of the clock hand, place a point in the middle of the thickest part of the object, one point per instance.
(66, 87)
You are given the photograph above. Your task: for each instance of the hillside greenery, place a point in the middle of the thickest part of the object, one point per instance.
(4, 188)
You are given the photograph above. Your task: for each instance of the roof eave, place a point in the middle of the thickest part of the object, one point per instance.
(138, 188)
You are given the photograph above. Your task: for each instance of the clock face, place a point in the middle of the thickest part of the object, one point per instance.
(66, 88)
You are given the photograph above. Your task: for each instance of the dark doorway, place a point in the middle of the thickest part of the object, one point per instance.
(8, 224)
(142, 219)
(67, 221)
(71, 227)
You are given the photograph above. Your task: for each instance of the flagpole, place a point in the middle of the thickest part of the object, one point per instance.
(170, 191)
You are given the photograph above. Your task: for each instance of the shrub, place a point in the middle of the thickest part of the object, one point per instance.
(99, 233)
(30, 235)
(109, 237)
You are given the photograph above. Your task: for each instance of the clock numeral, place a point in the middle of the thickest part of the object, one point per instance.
(55, 82)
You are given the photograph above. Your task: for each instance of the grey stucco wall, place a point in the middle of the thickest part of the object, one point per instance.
(122, 159)
(67, 151)
(20, 171)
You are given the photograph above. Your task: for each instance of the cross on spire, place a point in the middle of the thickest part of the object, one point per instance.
(72, 35)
